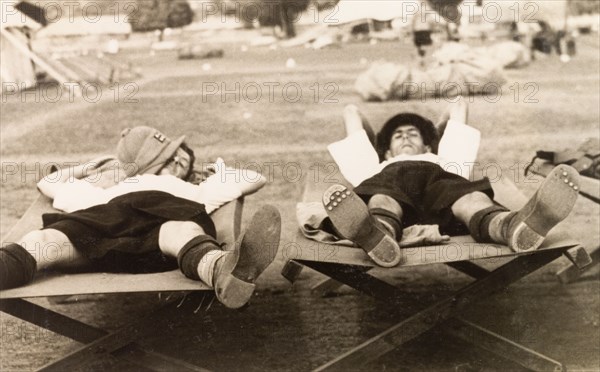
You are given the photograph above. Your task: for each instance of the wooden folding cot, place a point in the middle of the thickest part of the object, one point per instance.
(343, 265)
(350, 266)
(96, 342)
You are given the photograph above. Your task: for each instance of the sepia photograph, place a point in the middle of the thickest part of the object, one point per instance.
(300, 185)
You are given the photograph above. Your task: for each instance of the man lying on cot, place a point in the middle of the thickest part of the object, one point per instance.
(148, 222)
(413, 185)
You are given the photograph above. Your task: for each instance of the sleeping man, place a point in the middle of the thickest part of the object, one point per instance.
(404, 182)
(148, 220)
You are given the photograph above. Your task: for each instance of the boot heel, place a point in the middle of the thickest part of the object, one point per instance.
(525, 239)
(233, 292)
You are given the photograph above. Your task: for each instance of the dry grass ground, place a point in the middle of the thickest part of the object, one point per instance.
(287, 329)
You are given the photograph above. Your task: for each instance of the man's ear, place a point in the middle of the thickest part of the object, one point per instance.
(388, 154)
(427, 148)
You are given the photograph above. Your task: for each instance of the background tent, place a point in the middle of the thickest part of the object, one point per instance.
(81, 34)
(553, 12)
(347, 14)
(348, 11)
(83, 26)
(16, 66)
(77, 47)
(486, 16)
(27, 48)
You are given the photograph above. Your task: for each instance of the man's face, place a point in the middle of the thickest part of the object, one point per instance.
(406, 140)
(178, 165)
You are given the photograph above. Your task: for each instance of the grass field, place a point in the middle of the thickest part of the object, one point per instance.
(556, 107)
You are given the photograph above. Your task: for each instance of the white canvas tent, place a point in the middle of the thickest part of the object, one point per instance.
(16, 67)
(21, 57)
(327, 23)
(553, 12)
(84, 26)
(349, 11)
(494, 14)
(81, 34)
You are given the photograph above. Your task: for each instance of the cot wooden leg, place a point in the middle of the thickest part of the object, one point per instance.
(579, 257)
(357, 278)
(499, 345)
(58, 300)
(571, 273)
(439, 312)
(126, 350)
(327, 286)
(119, 342)
(469, 268)
(51, 320)
(291, 271)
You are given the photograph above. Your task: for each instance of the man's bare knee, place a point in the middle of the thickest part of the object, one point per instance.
(51, 248)
(386, 202)
(467, 205)
(475, 197)
(174, 235)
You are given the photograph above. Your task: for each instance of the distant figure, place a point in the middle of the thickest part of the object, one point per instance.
(571, 45)
(422, 27)
(515, 33)
(544, 40)
(452, 34)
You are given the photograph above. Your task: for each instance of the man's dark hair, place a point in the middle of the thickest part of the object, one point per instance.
(425, 126)
(192, 156)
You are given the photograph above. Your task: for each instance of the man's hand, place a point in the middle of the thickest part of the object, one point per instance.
(355, 121)
(206, 170)
(457, 111)
(352, 120)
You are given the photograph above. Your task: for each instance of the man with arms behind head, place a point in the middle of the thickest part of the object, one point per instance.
(413, 185)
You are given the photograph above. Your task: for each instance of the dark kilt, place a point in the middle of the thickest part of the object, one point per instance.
(425, 192)
(122, 235)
